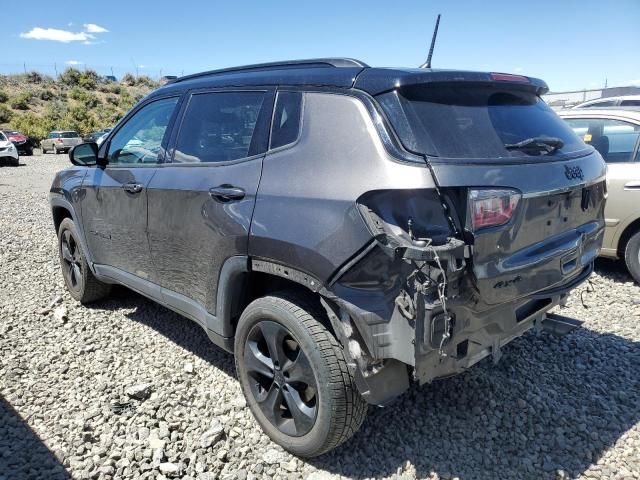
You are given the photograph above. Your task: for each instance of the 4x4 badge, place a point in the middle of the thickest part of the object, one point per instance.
(573, 172)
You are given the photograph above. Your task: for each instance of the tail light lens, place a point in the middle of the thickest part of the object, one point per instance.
(490, 208)
(60, 140)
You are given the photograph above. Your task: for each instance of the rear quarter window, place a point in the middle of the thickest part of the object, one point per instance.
(463, 121)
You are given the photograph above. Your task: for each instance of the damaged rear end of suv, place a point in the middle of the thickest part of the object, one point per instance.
(456, 270)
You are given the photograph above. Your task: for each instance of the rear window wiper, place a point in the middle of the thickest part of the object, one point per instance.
(539, 144)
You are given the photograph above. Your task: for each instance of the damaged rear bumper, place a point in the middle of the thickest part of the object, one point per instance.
(402, 328)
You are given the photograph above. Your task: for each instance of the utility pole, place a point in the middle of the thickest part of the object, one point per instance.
(55, 68)
(24, 64)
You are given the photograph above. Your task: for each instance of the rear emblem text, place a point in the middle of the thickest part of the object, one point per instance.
(573, 172)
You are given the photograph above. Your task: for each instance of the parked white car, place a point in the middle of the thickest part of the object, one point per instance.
(8, 152)
(612, 102)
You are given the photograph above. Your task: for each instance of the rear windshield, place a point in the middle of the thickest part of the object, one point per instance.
(462, 121)
(69, 134)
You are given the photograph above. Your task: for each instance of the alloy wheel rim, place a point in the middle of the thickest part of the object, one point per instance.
(281, 379)
(71, 259)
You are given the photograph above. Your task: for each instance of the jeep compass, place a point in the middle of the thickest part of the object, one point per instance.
(343, 230)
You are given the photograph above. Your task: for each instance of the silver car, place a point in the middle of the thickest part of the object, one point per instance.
(615, 133)
(60, 141)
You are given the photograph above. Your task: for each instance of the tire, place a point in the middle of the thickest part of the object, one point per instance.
(312, 374)
(44, 150)
(28, 152)
(16, 162)
(632, 256)
(78, 278)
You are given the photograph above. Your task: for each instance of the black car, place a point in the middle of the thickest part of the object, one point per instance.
(95, 136)
(344, 230)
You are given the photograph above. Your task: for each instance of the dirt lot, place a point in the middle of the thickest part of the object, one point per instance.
(552, 408)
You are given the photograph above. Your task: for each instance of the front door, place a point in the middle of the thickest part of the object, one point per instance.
(201, 204)
(114, 198)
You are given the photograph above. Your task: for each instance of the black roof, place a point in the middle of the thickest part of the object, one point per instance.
(335, 72)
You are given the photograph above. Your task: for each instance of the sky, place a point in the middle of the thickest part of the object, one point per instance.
(571, 44)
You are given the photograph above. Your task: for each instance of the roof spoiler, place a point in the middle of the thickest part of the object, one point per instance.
(377, 81)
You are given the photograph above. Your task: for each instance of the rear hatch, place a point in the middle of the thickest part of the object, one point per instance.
(70, 139)
(527, 194)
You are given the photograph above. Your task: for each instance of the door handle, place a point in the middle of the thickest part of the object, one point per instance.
(635, 185)
(132, 187)
(226, 193)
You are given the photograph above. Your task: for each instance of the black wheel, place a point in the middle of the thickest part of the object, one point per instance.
(44, 150)
(295, 378)
(28, 152)
(632, 256)
(16, 162)
(81, 283)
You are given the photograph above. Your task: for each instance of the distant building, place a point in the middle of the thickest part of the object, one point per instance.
(569, 99)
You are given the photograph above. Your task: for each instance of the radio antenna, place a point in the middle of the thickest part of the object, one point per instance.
(427, 64)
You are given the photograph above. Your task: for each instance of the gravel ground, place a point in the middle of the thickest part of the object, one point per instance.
(552, 408)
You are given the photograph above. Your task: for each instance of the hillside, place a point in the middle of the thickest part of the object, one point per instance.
(77, 100)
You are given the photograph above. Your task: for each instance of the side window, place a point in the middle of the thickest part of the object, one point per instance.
(630, 103)
(218, 127)
(139, 140)
(286, 119)
(614, 139)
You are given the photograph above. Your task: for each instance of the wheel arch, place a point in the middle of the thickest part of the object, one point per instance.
(626, 234)
(61, 209)
(241, 283)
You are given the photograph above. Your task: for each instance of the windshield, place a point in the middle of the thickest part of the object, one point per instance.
(69, 135)
(11, 132)
(479, 121)
(2, 137)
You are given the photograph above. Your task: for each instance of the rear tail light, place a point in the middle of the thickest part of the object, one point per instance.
(60, 140)
(490, 208)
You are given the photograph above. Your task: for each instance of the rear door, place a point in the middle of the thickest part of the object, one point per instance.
(114, 198)
(528, 194)
(618, 141)
(201, 204)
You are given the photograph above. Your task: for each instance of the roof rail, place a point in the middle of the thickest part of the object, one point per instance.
(312, 62)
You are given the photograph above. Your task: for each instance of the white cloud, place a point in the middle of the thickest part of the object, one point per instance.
(93, 28)
(56, 35)
(87, 36)
(635, 82)
(73, 62)
(518, 69)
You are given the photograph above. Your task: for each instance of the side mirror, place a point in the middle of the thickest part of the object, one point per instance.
(85, 155)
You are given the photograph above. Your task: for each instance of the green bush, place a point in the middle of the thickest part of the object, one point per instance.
(88, 99)
(126, 101)
(128, 79)
(145, 81)
(34, 77)
(70, 77)
(3, 97)
(31, 125)
(5, 114)
(46, 95)
(89, 79)
(21, 101)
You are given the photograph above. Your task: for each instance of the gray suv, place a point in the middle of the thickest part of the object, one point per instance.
(344, 230)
